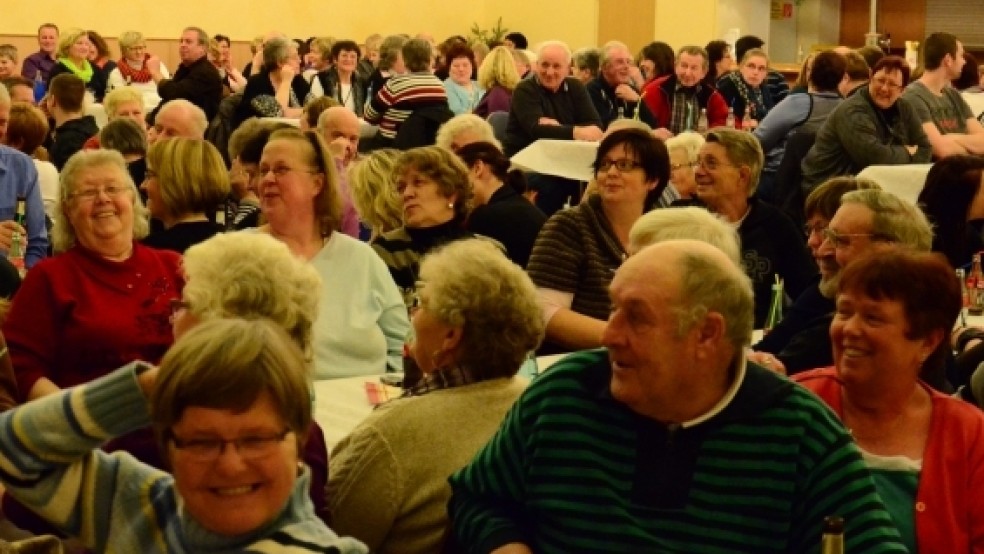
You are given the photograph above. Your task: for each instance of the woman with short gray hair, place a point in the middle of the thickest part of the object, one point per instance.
(278, 89)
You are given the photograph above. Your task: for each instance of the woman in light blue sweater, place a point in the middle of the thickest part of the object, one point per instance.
(230, 405)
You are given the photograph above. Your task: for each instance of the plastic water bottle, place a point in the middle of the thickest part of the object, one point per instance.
(730, 122)
(39, 87)
(702, 121)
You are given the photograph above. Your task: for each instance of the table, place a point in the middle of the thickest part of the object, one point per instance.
(905, 181)
(570, 159)
(341, 404)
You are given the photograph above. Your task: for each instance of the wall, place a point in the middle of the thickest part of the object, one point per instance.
(572, 21)
(701, 18)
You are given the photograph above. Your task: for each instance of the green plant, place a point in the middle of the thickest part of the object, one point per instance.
(488, 36)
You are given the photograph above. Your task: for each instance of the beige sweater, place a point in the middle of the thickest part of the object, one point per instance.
(388, 480)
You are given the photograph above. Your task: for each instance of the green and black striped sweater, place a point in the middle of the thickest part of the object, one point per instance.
(573, 470)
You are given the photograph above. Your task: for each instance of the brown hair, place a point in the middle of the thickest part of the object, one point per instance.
(27, 130)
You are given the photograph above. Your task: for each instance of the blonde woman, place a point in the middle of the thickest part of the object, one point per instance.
(73, 57)
(498, 77)
(132, 69)
(185, 181)
(374, 193)
(462, 130)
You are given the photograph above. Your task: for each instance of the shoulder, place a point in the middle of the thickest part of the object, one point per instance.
(585, 374)
(166, 258)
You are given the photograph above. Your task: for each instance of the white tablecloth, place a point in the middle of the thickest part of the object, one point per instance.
(906, 181)
(341, 404)
(570, 159)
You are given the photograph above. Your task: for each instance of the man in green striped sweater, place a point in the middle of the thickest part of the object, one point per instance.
(669, 441)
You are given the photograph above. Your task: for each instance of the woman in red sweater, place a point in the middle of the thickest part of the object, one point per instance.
(925, 450)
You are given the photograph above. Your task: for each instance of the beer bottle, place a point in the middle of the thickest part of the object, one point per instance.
(832, 541)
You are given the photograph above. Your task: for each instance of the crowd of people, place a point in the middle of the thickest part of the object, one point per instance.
(222, 236)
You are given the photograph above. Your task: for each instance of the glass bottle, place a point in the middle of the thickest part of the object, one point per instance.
(975, 287)
(702, 121)
(775, 306)
(832, 540)
(16, 254)
(730, 122)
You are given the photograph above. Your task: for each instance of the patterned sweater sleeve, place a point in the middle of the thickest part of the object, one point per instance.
(557, 258)
(50, 461)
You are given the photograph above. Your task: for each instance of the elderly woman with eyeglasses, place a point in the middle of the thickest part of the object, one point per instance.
(577, 251)
(231, 407)
(362, 321)
(103, 300)
(727, 174)
(684, 149)
(132, 69)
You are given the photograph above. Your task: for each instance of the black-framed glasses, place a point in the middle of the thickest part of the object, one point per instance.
(250, 447)
(809, 230)
(623, 165)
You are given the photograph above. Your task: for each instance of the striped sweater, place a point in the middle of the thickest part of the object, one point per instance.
(577, 252)
(51, 462)
(401, 95)
(572, 470)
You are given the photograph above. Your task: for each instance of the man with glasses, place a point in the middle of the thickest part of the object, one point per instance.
(676, 101)
(945, 116)
(874, 126)
(612, 91)
(866, 220)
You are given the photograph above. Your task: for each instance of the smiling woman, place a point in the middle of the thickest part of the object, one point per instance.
(230, 404)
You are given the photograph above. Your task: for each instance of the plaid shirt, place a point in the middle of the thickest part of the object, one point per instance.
(683, 116)
(444, 378)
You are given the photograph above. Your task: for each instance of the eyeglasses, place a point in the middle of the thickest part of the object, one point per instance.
(843, 240)
(111, 191)
(252, 447)
(711, 164)
(674, 167)
(622, 165)
(885, 83)
(809, 230)
(281, 171)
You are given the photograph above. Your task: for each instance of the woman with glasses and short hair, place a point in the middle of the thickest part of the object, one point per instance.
(132, 69)
(870, 127)
(577, 251)
(230, 406)
(745, 90)
(362, 320)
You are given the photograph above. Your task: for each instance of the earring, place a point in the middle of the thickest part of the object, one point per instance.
(450, 205)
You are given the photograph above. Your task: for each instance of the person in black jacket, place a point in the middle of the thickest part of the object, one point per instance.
(196, 80)
(501, 212)
(66, 98)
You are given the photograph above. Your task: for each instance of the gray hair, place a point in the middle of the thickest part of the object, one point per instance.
(689, 222)
(707, 286)
(471, 284)
(389, 49)
(688, 141)
(743, 149)
(894, 219)
(196, 114)
(554, 44)
(62, 233)
(275, 51)
(461, 123)
(609, 47)
(253, 276)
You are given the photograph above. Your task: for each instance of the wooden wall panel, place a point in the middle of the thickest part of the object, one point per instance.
(903, 19)
(630, 21)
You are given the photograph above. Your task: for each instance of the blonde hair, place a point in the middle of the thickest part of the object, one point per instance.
(498, 68)
(191, 175)
(253, 276)
(374, 195)
(119, 96)
(328, 203)
(62, 233)
(129, 39)
(67, 39)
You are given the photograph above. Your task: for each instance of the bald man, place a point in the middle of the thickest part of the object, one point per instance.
(683, 445)
(339, 127)
(179, 118)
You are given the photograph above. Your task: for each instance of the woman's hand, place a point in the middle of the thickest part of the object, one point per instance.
(766, 360)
